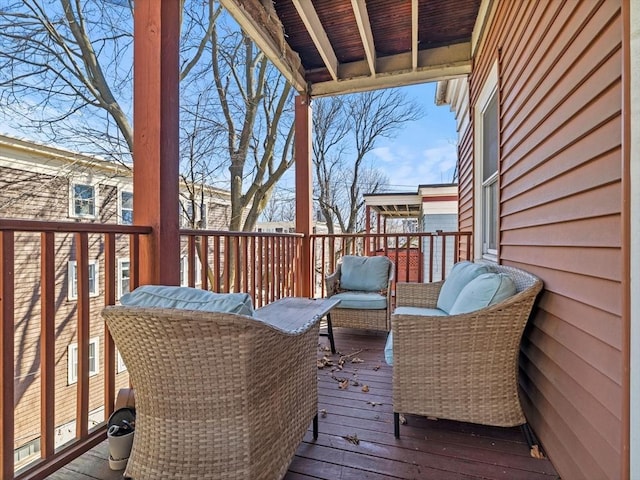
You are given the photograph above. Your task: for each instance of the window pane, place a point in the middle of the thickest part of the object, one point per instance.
(126, 203)
(491, 216)
(127, 200)
(490, 138)
(124, 277)
(92, 358)
(84, 200)
(93, 288)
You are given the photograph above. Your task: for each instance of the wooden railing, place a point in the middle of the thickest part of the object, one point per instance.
(41, 292)
(35, 254)
(417, 257)
(265, 265)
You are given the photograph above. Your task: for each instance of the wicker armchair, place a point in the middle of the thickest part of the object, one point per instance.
(460, 367)
(215, 397)
(349, 314)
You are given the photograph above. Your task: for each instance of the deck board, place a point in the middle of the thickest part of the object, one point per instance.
(427, 448)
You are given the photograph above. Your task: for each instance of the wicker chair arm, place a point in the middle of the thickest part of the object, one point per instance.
(332, 283)
(424, 295)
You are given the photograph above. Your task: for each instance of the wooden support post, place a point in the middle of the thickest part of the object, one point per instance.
(304, 186)
(156, 136)
(7, 352)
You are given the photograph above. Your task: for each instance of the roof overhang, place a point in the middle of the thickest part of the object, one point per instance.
(329, 47)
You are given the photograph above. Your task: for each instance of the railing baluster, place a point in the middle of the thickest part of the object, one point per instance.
(7, 352)
(82, 277)
(191, 261)
(204, 261)
(109, 346)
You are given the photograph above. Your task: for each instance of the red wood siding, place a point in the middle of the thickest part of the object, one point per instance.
(465, 180)
(560, 215)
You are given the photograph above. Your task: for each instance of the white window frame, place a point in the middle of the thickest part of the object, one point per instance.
(72, 293)
(481, 206)
(120, 366)
(121, 270)
(72, 360)
(184, 271)
(72, 200)
(121, 208)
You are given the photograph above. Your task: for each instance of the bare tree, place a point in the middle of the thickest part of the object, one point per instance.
(256, 103)
(66, 76)
(345, 131)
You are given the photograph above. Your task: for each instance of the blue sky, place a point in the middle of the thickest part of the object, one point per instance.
(424, 151)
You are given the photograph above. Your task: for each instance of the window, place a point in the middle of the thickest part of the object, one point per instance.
(72, 360)
(126, 208)
(83, 201)
(73, 279)
(186, 214)
(120, 366)
(123, 276)
(184, 271)
(486, 165)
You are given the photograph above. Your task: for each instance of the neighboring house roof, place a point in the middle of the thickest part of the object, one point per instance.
(442, 197)
(37, 157)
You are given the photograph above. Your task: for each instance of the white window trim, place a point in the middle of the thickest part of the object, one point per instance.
(72, 280)
(184, 271)
(489, 88)
(96, 203)
(120, 366)
(72, 354)
(120, 192)
(121, 261)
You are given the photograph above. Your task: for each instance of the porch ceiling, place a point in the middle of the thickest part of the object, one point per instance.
(327, 47)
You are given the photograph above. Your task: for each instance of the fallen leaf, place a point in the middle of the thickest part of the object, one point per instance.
(343, 385)
(374, 404)
(365, 388)
(323, 413)
(357, 360)
(403, 420)
(355, 383)
(376, 368)
(536, 452)
(352, 438)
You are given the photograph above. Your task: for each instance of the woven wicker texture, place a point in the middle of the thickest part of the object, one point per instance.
(356, 318)
(218, 395)
(461, 367)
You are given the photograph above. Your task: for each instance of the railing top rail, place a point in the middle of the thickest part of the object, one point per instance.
(70, 227)
(388, 234)
(231, 233)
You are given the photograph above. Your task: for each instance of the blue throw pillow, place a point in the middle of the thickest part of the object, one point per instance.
(461, 274)
(484, 291)
(366, 274)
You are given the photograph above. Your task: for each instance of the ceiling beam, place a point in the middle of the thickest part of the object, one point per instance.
(318, 35)
(414, 34)
(266, 31)
(396, 70)
(364, 27)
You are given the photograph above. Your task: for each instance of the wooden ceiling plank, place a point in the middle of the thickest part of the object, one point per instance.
(364, 27)
(414, 34)
(319, 36)
(268, 35)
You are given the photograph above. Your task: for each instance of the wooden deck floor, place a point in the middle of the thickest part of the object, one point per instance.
(356, 434)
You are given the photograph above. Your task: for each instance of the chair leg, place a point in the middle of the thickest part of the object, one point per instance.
(532, 440)
(396, 424)
(315, 427)
(330, 334)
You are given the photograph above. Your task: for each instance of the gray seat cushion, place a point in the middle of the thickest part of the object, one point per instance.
(483, 291)
(361, 300)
